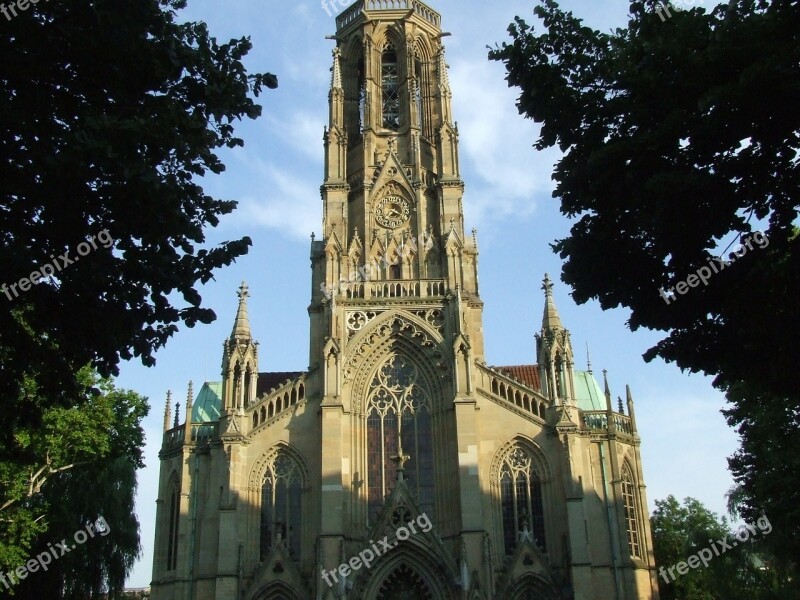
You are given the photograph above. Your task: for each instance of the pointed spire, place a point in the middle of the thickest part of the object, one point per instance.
(444, 76)
(588, 359)
(607, 390)
(336, 70)
(550, 320)
(241, 327)
(188, 421)
(168, 411)
(631, 413)
(177, 421)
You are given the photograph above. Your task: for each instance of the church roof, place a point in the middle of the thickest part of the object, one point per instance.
(208, 402)
(268, 381)
(589, 394)
(527, 374)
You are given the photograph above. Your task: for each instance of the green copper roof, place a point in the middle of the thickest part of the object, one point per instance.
(589, 394)
(207, 404)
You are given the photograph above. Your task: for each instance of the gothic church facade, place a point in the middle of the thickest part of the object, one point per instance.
(462, 480)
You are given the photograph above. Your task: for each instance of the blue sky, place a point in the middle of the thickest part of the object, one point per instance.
(276, 177)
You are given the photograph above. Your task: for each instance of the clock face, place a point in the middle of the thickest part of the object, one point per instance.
(392, 211)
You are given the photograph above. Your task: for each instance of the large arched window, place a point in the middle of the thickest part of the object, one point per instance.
(172, 532)
(629, 497)
(398, 409)
(281, 503)
(390, 86)
(521, 498)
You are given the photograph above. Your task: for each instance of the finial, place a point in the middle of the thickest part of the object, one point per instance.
(547, 285)
(177, 414)
(605, 381)
(588, 359)
(190, 395)
(336, 70)
(551, 321)
(241, 326)
(313, 237)
(619, 405)
(167, 410)
(243, 291)
(400, 459)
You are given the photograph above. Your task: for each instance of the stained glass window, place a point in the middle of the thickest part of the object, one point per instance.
(281, 504)
(521, 498)
(172, 532)
(629, 500)
(396, 392)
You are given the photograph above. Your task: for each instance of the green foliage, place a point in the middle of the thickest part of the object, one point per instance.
(676, 133)
(681, 138)
(110, 112)
(767, 467)
(738, 573)
(78, 466)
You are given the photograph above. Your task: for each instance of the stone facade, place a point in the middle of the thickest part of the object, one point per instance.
(400, 465)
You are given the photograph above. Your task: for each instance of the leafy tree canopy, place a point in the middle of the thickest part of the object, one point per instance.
(79, 467)
(110, 113)
(735, 568)
(680, 137)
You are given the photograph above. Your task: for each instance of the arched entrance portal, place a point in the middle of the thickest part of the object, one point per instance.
(404, 583)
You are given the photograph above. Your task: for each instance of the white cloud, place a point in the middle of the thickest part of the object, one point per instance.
(301, 130)
(496, 144)
(290, 203)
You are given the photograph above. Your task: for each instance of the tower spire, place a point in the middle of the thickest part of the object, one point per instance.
(336, 70)
(241, 326)
(551, 319)
(168, 411)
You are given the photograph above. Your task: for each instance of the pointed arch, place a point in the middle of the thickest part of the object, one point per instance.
(280, 479)
(630, 503)
(173, 520)
(390, 333)
(391, 107)
(277, 590)
(520, 477)
(531, 586)
(398, 424)
(427, 577)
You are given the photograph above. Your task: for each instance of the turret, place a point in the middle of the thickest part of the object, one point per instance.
(240, 360)
(554, 352)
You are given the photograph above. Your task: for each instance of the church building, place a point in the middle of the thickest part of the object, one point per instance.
(400, 464)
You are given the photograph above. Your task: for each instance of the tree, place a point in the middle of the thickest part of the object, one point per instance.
(66, 438)
(97, 490)
(767, 467)
(680, 139)
(110, 112)
(731, 569)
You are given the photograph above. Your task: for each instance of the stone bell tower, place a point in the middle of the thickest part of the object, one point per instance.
(392, 190)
